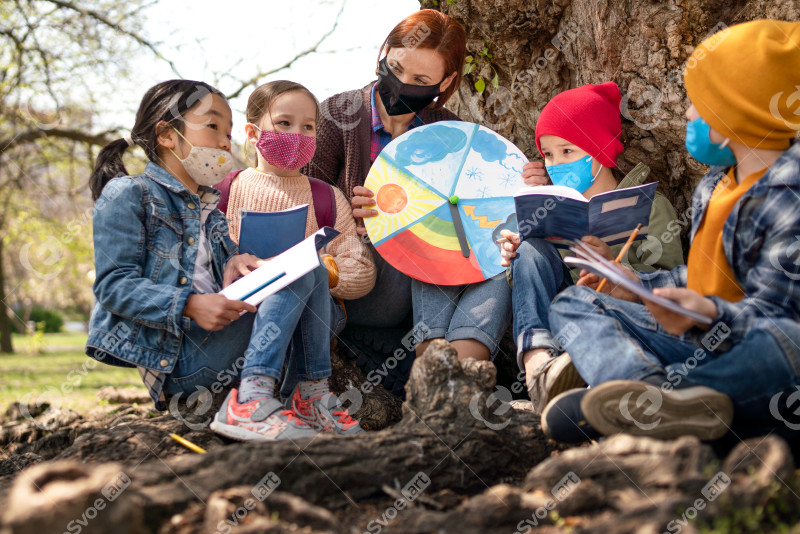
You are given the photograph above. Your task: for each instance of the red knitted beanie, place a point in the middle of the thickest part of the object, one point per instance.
(587, 117)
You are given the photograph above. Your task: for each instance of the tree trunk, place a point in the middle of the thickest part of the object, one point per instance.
(540, 48)
(5, 321)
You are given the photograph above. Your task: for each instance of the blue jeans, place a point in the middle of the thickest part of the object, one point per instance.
(480, 311)
(538, 274)
(611, 339)
(389, 301)
(297, 321)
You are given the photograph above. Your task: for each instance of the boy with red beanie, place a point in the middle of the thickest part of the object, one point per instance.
(578, 135)
(658, 373)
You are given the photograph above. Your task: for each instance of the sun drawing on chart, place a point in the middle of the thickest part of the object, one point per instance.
(400, 198)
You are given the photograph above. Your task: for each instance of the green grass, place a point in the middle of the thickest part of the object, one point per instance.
(60, 374)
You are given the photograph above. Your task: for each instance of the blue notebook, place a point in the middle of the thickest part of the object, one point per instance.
(562, 215)
(266, 235)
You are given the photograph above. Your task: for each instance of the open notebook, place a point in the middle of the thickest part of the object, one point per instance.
(281, 270)
(592, 261)
(561, 214)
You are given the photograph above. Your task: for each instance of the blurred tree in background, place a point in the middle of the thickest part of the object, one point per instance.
(56, 60)
(63, 64)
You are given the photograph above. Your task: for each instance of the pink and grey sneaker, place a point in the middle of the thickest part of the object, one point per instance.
(258, 420)
(324, 414)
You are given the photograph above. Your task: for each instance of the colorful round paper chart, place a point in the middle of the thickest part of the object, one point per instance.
(443, 192)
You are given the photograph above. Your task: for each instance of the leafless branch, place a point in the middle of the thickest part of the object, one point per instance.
(30, 136)
(255, 79)
(99, 17)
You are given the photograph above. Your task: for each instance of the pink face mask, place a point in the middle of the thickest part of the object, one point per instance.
(286, 150)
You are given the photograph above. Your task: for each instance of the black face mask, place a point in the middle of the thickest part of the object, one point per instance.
(402, 98)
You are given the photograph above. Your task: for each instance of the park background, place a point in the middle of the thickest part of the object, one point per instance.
(71, 78)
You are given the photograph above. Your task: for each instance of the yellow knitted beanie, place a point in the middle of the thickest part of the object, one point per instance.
(745, 82)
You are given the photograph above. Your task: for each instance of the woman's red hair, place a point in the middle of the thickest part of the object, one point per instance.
(447, 38)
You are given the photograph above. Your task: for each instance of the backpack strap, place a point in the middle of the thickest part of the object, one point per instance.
(224, 188)
(324, 202)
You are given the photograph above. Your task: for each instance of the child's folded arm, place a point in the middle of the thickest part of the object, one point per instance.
(119, 286)
(356, 267)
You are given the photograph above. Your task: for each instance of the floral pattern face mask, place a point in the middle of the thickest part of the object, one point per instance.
(206, 165)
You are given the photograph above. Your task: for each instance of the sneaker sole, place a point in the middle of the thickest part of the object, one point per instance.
(699, 411)
(242, 434)
(235, 432)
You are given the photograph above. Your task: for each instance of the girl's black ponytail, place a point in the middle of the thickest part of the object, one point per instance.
(168, 102)
(109, 165)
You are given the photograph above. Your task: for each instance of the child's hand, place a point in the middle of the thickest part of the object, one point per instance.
(533, 173)
(675, 323)
(589, 279)
(213, 311)
(238, 266)
(362, 198)
(508, 250)
(599, 246)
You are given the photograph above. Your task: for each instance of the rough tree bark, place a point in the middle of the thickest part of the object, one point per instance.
(542, 47)
(451, 432)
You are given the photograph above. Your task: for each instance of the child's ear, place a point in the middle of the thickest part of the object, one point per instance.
(251, 133)
(166, 135)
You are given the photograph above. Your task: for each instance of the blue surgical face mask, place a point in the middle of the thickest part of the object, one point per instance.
(699, 145)
(577, 175)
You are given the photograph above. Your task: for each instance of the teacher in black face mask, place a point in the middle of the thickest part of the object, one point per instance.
(419, 68)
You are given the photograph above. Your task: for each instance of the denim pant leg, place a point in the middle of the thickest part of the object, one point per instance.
(480, 311)
(483, 313)
(303, 304)
(210, 358)
(538, 275)
(762, 366)
(297, 356)
(389, 301)
(433, 308)
(611, 339)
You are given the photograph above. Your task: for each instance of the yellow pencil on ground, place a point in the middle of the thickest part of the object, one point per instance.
(188, 444)
(622, 253)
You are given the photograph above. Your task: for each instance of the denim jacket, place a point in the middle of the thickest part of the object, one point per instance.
(761, 240)
(146, 233)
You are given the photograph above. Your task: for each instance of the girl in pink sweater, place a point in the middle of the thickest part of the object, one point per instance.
(281, 124)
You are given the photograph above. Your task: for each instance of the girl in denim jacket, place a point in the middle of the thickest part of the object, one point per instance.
(162, 253)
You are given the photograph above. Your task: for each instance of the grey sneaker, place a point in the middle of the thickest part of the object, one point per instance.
(324, 414)
(258, 420)
(556, 376)
(642, 409)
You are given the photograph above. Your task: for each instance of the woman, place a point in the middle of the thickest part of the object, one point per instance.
(419, 68)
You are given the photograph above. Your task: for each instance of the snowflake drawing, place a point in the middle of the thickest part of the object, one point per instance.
(483, 191)
(474, 174)
(507, 179)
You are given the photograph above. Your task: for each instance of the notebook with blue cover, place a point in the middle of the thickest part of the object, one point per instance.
(561, 215)
(268, 234)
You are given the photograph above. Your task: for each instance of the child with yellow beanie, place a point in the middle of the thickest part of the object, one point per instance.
(657, 373)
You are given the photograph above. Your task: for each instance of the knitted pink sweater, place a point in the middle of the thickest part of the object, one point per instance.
(257, 191)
